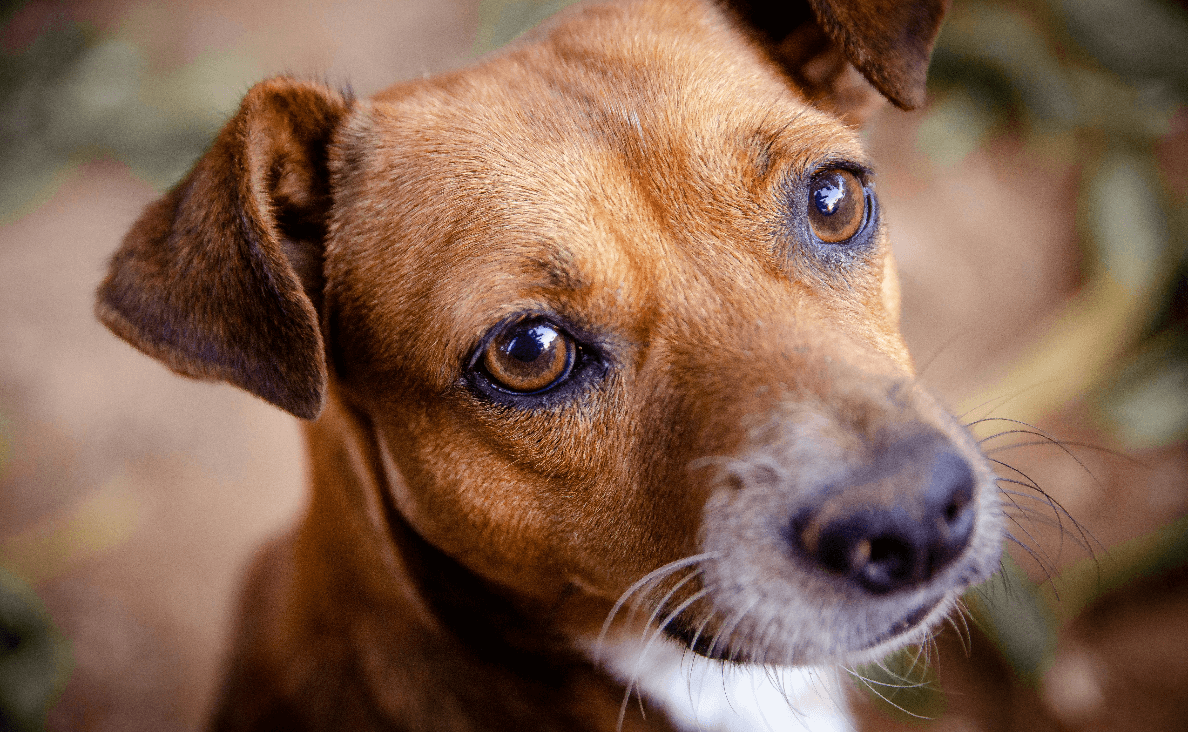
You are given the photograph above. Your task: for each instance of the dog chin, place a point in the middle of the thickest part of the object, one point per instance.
(913, 627)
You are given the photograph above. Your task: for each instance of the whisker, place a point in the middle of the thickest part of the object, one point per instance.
(870, 684)
(759, 707)
(1036, 517)
(639, 661)
(1087, 539)
(660, 605)
(729, 627)
(944, 346)
(920, 653)
(655, 575)
(966, 638)
(1049, 571)
(689, 676)
(700, 629)
(1024, 529)
(1033, 430)
(1084, 538)
(1069, 443)
(648, 642)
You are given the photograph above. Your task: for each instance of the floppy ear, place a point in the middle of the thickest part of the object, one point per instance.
(219, 279)
(888, 41)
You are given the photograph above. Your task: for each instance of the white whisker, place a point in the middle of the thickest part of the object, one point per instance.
(655, 575)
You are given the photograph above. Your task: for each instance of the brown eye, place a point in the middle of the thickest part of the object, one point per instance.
(836, 205)
(530, 356)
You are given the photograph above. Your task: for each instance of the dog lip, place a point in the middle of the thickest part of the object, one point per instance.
(908, 622)
(703, 644)
(707, 645)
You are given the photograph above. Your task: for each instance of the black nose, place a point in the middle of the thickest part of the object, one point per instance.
(898, 527)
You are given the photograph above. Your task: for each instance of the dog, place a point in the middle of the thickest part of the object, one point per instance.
(597, 346)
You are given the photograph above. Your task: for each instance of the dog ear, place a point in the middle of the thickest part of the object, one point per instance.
(888, 41)
(221, 278)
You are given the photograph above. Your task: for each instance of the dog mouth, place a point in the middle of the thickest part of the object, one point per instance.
(704, 644)
(908, 623)
(708, 644)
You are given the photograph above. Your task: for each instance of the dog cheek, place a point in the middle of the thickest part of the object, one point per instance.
(514, 498)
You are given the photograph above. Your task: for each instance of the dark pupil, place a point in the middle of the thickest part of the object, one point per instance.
(528, 345)
(829, 195)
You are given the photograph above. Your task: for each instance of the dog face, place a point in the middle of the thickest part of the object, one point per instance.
(606, 307)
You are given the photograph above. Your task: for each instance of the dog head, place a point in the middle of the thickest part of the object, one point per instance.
(618, 300)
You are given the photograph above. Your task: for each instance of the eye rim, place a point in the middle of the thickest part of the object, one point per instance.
(509, 331)
(590, 363)
(867, 201)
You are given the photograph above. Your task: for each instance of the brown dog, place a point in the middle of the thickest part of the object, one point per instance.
(616, 303)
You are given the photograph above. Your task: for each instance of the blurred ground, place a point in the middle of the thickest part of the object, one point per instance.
(130, 499)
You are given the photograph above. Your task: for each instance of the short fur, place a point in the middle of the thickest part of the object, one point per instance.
(635, 172)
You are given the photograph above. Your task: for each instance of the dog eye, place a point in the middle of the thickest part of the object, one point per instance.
(836, 205)
(529, 357)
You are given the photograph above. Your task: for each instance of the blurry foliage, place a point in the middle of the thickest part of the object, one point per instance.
(69, 96)
(97, 522)
(1101, 81)
(1019, 618)
(74, 94)
(35, 659)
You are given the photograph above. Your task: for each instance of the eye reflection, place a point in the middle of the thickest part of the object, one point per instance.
(837, 205)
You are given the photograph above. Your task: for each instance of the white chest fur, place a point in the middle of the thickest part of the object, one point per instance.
(708, 696)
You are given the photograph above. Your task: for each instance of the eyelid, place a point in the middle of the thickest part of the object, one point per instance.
(863, 172)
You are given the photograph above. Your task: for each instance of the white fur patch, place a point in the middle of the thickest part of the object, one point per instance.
(707, 696)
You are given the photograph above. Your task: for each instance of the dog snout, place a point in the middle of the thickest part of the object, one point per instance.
(898, 524)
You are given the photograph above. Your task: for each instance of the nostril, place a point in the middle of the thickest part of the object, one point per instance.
(953, 510)
(949, 496)
(870, 548)
(950, 484)
(891, 564)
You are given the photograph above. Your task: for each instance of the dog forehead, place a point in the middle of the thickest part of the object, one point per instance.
(585, 194)
(548, 150)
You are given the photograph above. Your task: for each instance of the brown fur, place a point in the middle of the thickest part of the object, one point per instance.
(629, 171)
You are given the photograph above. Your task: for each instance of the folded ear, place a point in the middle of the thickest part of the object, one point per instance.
(219, 279)
(888, 41)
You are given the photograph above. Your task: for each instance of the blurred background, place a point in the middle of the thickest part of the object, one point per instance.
(1039, 208)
